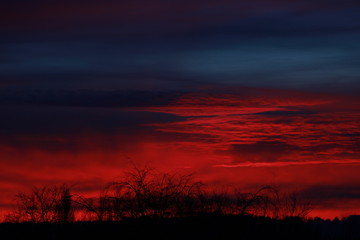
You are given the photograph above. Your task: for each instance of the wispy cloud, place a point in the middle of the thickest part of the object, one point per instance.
(289, 163)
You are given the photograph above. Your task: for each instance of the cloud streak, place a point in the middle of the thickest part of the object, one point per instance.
(293, 163)
(268, 129)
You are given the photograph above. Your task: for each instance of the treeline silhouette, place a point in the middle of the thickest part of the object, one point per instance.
(146, 204)
(145, 193)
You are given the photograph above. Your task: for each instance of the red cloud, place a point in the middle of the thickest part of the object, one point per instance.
(283, 138)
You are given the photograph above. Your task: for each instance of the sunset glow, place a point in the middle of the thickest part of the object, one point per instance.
(243, 94)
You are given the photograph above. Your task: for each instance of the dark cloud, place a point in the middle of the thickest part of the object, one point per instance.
(345, 146)
(178, 45)
(82, 129)
(320, 63)
(329, 192)
(52, 120)
(86, 98)
(44, 14)
(57, 129)
(261, 151)
(285, 113)
(141, 44)
(272, 151)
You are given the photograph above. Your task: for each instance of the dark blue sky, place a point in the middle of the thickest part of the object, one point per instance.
(179, 45)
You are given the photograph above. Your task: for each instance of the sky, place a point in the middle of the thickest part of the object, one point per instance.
(242, 93)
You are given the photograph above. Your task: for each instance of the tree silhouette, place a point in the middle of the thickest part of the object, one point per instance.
(143, 192)
(293, 206)
(102, 208)
(43, 205)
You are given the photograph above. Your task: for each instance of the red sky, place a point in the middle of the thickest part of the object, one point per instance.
(293, 140)
(245, 93)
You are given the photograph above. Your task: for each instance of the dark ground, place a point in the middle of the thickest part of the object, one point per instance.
(206, 227)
